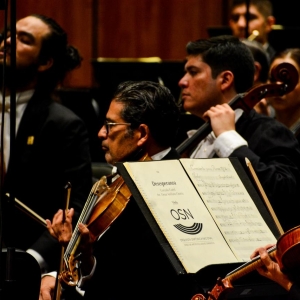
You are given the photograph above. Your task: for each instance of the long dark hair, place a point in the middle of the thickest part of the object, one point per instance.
(65, 57)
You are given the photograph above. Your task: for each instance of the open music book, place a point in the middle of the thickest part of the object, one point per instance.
(203, 211)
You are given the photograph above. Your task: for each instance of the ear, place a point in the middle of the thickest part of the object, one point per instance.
(257, 71)
(226, 80)
(143, 135)
(270, 22)
(45, 65)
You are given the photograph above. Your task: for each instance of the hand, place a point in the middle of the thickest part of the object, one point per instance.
(47, 288)
(262, 107)
(271, 269)
(61, 227)
(222, 118)
(86, 248)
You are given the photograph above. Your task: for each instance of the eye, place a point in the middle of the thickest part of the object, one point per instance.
(235, 17)
(252, 17)
(193, 72)
(25, 40)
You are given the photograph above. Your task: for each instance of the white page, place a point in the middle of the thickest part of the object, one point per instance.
(227, 199)
(176, 206)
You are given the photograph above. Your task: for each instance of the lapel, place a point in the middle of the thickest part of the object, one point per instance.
(33, 119)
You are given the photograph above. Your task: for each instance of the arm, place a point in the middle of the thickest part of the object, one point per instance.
(73, 164)
(47, 287)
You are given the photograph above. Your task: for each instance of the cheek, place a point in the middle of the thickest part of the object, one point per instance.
(26, 56)
(119, 149)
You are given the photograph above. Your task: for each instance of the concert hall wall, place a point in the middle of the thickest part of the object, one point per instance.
(126, 28)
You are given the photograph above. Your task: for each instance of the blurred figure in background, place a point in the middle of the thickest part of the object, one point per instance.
(260, 21)
(261, 75)
(287, 107)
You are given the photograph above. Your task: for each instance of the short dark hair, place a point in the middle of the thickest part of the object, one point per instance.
(150, 103)
(260, 55)
(223, 53)
(55, 45)
(265, 7)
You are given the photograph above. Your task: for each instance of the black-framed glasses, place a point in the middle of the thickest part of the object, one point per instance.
(108, 125)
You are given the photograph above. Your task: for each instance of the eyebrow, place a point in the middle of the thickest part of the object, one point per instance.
(189, 68)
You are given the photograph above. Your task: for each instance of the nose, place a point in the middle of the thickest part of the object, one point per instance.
(241, 22)
(8, 40)
(183, 82)
(102, 134)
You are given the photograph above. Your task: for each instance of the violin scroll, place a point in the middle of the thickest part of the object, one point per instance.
(219, 292)
(69, 277)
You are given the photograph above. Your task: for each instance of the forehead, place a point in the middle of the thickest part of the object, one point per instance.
(285, 60)
(242, 9)
(33, 26)
(193, 60)
(114, 111)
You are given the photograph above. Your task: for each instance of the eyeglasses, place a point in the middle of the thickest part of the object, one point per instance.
(109, 124)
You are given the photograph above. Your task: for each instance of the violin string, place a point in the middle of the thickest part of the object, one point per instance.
(82, 219)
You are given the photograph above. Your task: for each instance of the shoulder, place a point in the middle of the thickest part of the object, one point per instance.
(61, 111)
(257, 129)
(256, 120)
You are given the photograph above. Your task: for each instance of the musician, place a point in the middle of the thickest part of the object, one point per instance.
(261, 75)
(287, 107)
(217, 69)
(271, 270)
(51, 145)
(130, 263)
(260, 21)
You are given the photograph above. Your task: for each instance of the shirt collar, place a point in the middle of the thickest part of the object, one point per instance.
(22, 97)
(161, 154)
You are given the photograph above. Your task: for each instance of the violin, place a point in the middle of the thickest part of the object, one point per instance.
(104, 205)
(284, 78)
(286, 253)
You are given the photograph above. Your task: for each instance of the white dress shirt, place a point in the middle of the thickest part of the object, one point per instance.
(21, 103)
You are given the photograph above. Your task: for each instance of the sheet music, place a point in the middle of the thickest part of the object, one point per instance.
(180, 213)
(231, 206)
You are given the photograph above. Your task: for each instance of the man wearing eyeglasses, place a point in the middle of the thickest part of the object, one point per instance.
(142, 118)
(130, 263)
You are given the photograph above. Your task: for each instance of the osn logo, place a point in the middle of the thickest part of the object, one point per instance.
(185, 214)
(194, 229)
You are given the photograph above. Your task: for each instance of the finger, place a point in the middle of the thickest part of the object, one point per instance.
(70, 214)
(57, 218)
(83, 229)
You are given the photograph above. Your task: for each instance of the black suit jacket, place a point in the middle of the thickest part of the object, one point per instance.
(275, 155)
(131, 264)
(51, 149)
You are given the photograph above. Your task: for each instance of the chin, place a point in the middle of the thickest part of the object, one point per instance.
(108, 158)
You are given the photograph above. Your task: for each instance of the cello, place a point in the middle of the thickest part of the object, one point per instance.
(286, 253)
(284, 78)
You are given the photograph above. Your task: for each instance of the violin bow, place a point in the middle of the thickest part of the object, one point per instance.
(57, 289)
(264, 196)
